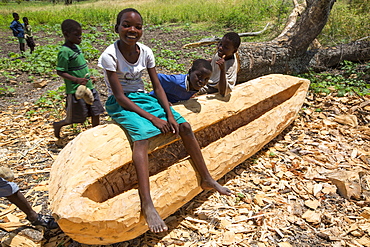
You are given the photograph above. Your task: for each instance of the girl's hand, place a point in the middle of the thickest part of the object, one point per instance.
(174, 125)
(163, 125)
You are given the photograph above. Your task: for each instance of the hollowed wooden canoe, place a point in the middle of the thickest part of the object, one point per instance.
(93, 187)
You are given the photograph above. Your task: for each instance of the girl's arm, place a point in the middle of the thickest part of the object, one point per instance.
(127, 104)
(162, 98)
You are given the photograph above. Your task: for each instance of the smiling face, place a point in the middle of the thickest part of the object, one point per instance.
(199, 78)
(130, 28)
(225, 48)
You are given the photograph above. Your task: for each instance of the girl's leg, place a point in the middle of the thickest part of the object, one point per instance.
(192, 147)
(140, 159)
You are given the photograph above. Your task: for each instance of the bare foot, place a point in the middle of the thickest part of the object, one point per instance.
(56, 130)
(213, 184)
(154, 221)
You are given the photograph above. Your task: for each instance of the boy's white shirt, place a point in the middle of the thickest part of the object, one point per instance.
(231, 72)
(129, 75)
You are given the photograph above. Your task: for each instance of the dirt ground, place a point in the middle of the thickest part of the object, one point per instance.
(282, 195)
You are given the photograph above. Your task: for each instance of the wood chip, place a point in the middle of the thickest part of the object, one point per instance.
(312, 204)
(312, 217)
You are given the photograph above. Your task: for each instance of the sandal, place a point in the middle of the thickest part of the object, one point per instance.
(45, 221)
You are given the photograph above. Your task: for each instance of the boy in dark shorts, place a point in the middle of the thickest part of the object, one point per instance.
(183, 86)
(72, 67)
(28, 34)
(18, 32)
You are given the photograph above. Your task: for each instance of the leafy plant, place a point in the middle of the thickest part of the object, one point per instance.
(351, 80)
(6, 91)
(52, 100)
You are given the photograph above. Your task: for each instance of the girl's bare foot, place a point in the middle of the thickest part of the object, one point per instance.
(154, 221)
(213, 184)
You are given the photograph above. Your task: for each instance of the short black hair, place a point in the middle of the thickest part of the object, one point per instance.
(234, 38)
(25, 19)
(15, 14)
(70, 25)
(201, 63)
(120, 14)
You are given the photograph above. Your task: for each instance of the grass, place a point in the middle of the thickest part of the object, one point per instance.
(217, 15)
(347, 22)
(241, 15)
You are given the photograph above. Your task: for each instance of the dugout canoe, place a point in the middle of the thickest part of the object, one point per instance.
(93, 188)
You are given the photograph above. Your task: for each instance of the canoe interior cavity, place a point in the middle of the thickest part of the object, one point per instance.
(124, 178)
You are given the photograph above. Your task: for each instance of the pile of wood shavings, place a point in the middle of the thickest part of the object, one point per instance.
(310, 186)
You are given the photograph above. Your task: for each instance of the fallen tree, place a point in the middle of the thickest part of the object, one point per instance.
(296, 49)
(290, 52)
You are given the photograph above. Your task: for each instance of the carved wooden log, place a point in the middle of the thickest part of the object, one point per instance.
(93, 185)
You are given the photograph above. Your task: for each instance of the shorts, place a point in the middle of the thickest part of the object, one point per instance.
(21, 40)
(30, 42)
(78, 110)
(138, 127)
(7, 188)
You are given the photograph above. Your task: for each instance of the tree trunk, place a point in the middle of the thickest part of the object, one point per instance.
(289, 53)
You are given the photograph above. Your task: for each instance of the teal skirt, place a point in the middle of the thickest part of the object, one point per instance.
(139, 128)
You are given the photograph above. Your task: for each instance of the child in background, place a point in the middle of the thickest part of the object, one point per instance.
(11, 191)
(28, 34)
(142, 115)
(18, 32)
(225, 66)
(183, 86)
(72, 67)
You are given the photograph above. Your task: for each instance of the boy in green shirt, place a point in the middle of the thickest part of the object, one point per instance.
(72, 67)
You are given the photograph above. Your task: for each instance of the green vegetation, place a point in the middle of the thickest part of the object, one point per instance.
(242, 14)
(351, 80)
(346, 23)
(42, 62)
(98, 18)
(6, 91)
